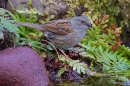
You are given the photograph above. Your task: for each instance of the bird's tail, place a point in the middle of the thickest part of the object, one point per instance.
(36, 26)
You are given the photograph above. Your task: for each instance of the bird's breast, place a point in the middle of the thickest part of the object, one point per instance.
(65, 41)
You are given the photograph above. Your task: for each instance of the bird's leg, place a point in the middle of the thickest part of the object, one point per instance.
(63, 52)
(51, 45)
(56, 49)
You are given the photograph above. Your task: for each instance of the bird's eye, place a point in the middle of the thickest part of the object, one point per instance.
(83, 22)
(80, 22)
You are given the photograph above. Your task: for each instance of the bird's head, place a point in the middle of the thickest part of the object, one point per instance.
(81, 22)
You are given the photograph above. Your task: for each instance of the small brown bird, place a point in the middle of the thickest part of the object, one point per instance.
(63, 33)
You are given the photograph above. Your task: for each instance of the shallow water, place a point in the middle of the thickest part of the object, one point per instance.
(96, 81)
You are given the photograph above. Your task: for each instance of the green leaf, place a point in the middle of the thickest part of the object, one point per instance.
(49, 47)
(106, 67)
(1, 35)
(62, 58)
(112, 57)
(104, 60)
(61, 71)
(100, 49)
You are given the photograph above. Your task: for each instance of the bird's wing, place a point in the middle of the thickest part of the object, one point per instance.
(61, 26)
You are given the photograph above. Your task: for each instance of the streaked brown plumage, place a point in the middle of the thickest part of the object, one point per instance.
(63, 33)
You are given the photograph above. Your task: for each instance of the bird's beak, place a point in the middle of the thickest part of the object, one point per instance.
(89, 25)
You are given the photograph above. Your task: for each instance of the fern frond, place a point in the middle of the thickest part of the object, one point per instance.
(112, 61)
(78, 66)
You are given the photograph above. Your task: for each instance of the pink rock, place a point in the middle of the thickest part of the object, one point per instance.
(22, 66)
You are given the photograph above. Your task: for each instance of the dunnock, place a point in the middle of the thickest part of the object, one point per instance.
(63, 33)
